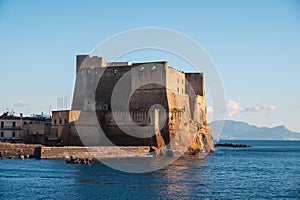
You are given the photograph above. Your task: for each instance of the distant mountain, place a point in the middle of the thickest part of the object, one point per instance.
(235, 130)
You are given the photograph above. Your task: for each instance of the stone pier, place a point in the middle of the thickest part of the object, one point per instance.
(8, 149)
(94, 152)
(44, 152)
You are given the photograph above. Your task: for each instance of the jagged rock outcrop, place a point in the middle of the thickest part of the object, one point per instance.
(203, 141)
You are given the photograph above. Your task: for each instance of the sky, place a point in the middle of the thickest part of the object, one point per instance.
(254, 44)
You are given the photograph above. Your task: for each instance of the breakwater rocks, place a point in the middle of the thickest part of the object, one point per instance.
(71, 160)
(232, 145)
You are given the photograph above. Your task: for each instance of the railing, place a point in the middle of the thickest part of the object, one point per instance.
(11, 128)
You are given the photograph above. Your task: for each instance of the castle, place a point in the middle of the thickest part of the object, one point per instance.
(138, 104)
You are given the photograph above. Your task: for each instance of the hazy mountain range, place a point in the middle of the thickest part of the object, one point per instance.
(235, 130)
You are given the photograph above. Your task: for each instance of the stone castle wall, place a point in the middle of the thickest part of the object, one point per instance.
(182, 96)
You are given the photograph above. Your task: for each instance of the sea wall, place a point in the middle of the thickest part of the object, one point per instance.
(96, 152)
(9, 149)
(43, 152)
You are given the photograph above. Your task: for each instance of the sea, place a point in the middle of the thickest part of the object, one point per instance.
(267, 170)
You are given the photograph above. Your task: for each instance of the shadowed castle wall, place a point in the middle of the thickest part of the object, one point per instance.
(181, 95)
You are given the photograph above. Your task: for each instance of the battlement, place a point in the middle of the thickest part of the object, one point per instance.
(158, 71)
(88, 61)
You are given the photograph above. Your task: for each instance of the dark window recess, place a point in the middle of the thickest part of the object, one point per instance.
(65, 121)
(60, 121)
(115, 71)
(2, 124)
(2, 134)
(104, 107)
(178, 89)
(54, 121)
(139, 119)
(14, 124)
(13, 134)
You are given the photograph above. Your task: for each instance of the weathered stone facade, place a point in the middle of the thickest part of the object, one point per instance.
(104, 87)
(62, 124)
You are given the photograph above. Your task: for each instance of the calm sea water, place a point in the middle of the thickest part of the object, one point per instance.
(270, 169)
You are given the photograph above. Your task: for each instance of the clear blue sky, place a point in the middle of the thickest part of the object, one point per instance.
(255, 44)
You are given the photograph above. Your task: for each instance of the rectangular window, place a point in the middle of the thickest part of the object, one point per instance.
(14, 124)
(2, 124)
(13, 134)
(2, 134)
